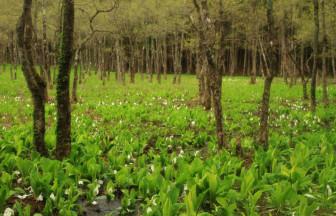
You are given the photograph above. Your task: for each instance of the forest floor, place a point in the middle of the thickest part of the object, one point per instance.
(151, 150)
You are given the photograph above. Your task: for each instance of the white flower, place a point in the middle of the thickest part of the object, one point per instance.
(40, 198)
(193, 123)
(80, 182)
(19, 180)
(52, 197)
(154, 202)
(96, 190)
(149, 210)
(9, 212)
(94, 203)
(67, 191)
(22, 197)
(16, 172)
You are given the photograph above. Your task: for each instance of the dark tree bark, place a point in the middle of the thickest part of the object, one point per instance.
(316, 47)
(207, 36)
(203, 82)
(74, 97)
(35, 82)
(324, 58)
(63, 128)
(45, 50)
(265, 104)
(254, 63)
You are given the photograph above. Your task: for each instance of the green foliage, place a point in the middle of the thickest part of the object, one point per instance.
(152, 153)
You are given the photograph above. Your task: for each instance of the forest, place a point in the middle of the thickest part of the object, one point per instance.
(168, 107)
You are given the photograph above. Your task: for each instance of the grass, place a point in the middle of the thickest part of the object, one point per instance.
(146, 148)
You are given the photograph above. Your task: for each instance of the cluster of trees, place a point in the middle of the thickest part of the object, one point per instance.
(152, 37)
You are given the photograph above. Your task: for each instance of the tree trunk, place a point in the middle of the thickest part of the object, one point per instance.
(316, 47)
(254, 63)
(265, 105)
(158, 60)
(75, 80)
(35, 82)
(324, 58)
(63, 128)
(213, 71)
(302, 74)
(264, 114)
(45, 49)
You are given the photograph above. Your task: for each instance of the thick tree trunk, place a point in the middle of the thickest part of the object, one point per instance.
(203, 81)
(35, 82)
(213, 71)
(264, 112)
(63, 128)
(39, 122)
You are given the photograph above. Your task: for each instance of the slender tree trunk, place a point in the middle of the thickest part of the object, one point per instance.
(333, 65)
(254, 63)
(45, 49)
(302, 74)
(265, 105)
(316, 47)
(63, 128)
(324, 58)
(75, 79)
(151, 60)
(164, 62)
(158, 60)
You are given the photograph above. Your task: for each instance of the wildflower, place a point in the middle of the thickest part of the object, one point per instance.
(149, 210)
(80, 182)
(52, 197)
(22, 197)
(94, 203)
(9, 212)
(40, 198)
(96, 190)
(67, 191)
(16, 172)
(193, 123)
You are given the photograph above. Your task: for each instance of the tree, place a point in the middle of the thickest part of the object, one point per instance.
(315, 48)
(63, 128)
(324, 56)
(207, 37)
(35, 82)
(272, 62)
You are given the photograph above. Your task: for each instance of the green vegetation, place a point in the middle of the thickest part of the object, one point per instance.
(149, 147)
